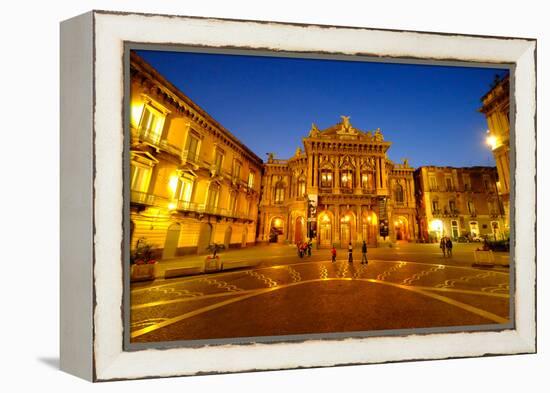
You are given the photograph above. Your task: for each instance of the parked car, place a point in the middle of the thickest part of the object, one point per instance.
(476, 238)
(463, 239)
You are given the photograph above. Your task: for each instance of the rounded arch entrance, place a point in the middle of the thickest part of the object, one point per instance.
(171, 241)
(276, 229)
(324, 232)
(205, 237)
(401, 228)
(347, 229)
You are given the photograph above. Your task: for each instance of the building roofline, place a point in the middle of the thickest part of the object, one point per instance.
(135, 59)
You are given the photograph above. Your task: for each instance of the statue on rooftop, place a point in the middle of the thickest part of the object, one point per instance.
(314, 132)
(378, 137)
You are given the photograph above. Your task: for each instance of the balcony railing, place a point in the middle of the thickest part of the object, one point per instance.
(190, 156)
(143, 198)
(212, 210)
(346, 190)
(368, 190)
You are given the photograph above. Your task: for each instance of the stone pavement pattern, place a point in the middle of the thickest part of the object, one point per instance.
(318, 297)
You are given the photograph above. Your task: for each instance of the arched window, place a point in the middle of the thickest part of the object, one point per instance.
(346, 179)
(326, 178)
(279, 192)
(398, 193)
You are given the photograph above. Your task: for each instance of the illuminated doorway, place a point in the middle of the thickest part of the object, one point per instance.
(346, 226)
(401, 227)
(325, 230)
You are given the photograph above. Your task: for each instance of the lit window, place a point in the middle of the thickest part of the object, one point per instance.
(346, 179)
(435, 206)
(251, 180)
(326, 178)
(279, 193)
(139, 178)
(150, 126)
(365, 181)
(184, 189)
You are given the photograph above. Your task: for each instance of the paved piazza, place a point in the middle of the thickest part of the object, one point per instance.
(285, 295)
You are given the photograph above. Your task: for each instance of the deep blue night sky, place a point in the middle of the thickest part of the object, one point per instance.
(429, 113)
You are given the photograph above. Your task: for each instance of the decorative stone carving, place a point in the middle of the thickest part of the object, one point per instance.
(378, 137)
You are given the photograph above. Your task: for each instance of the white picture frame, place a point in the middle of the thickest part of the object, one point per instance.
(92, 146)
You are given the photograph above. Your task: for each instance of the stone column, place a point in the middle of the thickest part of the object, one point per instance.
(336, 226)
(357, 177)
(315, 172)
(358, 226)
(377, 173)
(383, 173)
(309, 178)
(336, 180)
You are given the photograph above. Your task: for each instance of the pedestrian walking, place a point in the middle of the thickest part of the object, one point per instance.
(443, 245)
(364, 253)
(350, 253)
(449, 246)
(309, 247)
(333, 253)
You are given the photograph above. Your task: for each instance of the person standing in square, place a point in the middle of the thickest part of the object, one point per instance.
(350, 253)
(364, 253)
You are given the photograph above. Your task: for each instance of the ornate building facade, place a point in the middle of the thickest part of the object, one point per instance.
(340, 188)
(496, 108)
(458, 202)
(192, 183)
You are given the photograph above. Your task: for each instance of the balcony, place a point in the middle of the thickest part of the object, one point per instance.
(169, 148)
(153, 140)
(143, 198)
(201, 208)
(346, 190)
(369, 190)
(190, 157)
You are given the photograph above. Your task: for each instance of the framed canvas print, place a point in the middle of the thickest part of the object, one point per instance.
(245, 195)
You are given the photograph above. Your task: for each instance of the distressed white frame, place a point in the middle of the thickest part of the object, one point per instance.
(110, 31)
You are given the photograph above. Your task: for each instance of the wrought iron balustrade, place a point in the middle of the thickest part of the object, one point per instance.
(143, 198)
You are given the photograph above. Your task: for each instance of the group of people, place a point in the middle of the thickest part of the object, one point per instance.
(304, 248)
(446, 245)
(364, 259)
